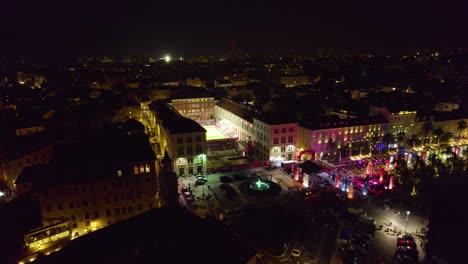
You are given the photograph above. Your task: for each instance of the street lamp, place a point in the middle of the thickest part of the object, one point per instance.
(406, 224)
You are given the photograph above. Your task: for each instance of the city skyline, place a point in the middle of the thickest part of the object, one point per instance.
(121, 28)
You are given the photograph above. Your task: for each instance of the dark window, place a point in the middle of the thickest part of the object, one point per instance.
(198, 139)
(283, 130)
(122, 197)
(49, 208)
(180, 140)
(283, 139)
(86, 215)
(85, 202)
(108, 213)
(93, 201)
(276, 131)
(59, 206)
(124, 210)
(73, 218)
(291, 129)
(130, 209)
(75, 225)
(96, 214)
(139, 207)
(88, 223)
(189, 140)
(106, 199)
(72, 204)
(117, 211)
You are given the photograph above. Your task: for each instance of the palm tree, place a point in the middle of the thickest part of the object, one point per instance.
(465, 157)
(374, 139)
(400, 137)
(426, 129)
(446, 136)
(411, 140)
(461, 126)
(438, 133)
(387, 139)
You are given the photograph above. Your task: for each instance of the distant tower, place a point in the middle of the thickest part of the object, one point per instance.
(167, 193)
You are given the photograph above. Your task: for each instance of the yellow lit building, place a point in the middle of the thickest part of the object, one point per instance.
(183, 138)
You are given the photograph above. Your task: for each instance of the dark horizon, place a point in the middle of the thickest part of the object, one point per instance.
(57, 29)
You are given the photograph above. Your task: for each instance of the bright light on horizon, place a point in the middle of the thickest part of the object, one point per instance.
(167, 58)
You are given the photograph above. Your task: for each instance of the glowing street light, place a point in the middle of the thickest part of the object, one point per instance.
(167, 58)
(406, 224)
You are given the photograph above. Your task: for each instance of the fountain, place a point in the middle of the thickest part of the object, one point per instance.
(259, 185)
(382, 173)
(390, 185)
(364, 189)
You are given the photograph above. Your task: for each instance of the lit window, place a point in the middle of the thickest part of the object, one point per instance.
(147, 168)
(119, 173)
(142, 169)
(135, 170)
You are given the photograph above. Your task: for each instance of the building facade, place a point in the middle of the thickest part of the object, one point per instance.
(183, 138)
(195, 108)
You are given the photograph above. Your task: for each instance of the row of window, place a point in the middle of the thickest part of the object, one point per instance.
(197, 159)
(283, 149)
(130, 196)
(198, 150)
(92, 188)
(137, 169)
(283, 130)
(109, 212)
(283, 140)
(180, 140)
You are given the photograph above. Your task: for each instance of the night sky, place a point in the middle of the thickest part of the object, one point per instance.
(70, 27)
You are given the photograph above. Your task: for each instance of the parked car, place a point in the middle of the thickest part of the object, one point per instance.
(226, 179)
(239, 177)
(201, 178)
(199, 182)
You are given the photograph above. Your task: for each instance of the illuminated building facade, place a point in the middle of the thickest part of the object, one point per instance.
(398, 120)
(195, 108)
(315, 136)
(293, 81)
(268, 137)
(235, 117)
(183, 138)
(96, 204)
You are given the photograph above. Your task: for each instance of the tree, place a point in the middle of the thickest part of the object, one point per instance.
(374, 139)
(438, 133)
(400, 138)
(465, 157)
(461, 126)
(446, 136)
(387, 139)
(426, 129)
(411, 140)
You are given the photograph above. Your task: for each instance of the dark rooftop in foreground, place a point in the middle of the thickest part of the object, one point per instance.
(164, 235)
(173, 121)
